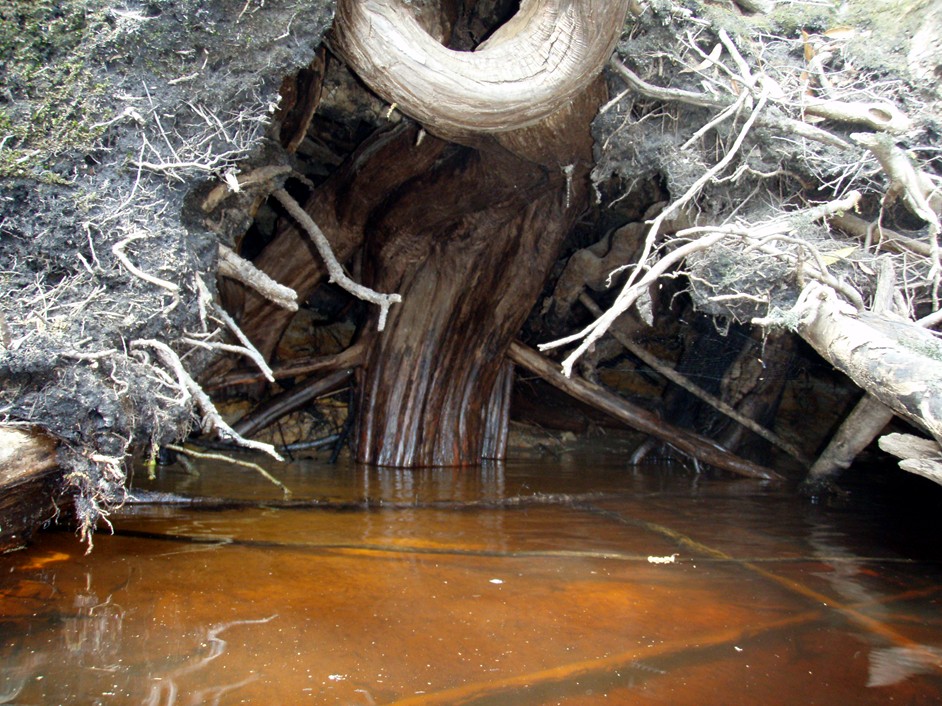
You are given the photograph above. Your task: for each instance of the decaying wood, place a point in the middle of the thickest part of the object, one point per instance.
(878, 115)
(698, 392)
(527, 70)
(291, 401)
(896, 361)
(920, 456)
(687, 442)
(859, 428)
(29, 483)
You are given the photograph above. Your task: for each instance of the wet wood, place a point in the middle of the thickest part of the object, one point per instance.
(341, 207)
(859, 428)
(468, 246)
(29, 481)
(693, 445)
(291, 401)
(428, 379)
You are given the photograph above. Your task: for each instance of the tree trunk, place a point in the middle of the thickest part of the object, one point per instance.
(468, 249)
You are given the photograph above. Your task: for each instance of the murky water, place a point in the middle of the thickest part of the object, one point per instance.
(557, 584)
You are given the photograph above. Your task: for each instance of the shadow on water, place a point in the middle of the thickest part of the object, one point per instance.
(575, 583)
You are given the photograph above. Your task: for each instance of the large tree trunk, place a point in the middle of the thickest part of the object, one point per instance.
(468, 247)
(465, 233)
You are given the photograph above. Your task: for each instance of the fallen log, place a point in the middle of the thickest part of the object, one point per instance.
(898, 362)
(29, 484)
(694, 445)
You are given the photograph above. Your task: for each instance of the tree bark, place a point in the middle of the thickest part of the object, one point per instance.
(29, 481)
(897, 362)
(468, 250)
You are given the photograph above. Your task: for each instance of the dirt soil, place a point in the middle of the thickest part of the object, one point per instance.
(109, 115)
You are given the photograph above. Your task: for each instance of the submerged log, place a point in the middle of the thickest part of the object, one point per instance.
(29, 482)
(866, 420)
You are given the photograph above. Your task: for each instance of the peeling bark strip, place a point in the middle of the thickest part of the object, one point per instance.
(528, 69)
(694, 445)
(897, 362)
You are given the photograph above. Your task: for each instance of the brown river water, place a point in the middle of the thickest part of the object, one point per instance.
(575, 582)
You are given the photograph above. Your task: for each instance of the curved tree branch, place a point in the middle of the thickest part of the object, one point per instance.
(532, 66)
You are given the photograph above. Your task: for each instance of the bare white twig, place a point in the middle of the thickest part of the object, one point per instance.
(241, 270)
(710, 236)
(118, 250)
(212, 420)
(334, 268)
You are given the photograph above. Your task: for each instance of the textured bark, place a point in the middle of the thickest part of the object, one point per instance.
(897, 362)
(29, 479)
(377, 171)
(527, 70)
(468, 250)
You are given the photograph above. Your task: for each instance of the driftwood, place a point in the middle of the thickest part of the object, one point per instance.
(920, 456)
(29, 478)
(896, 361)
(692, 444)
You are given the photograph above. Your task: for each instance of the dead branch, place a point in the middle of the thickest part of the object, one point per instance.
(885, 238)
(878, 115)
(712, 236)
(694, 445)
(212, 420)
(868, 418)
(920, 195)
(241, 270)
(334, 268)
(703, 100)
(920, 456)
(896, 361)
(291, 401)
(233, 461)
(719, 405)
(352, 357)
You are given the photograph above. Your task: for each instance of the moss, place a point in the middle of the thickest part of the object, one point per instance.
(55, 103)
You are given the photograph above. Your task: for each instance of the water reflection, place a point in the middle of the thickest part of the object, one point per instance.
(515, 585)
